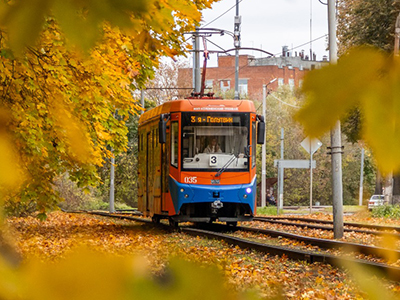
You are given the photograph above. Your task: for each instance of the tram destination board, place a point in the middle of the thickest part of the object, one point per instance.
(213, 119)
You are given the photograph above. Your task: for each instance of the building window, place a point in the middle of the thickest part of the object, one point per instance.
(280, 81)
(209, 84)
(243, 87)
(291, 83)
(225, 85)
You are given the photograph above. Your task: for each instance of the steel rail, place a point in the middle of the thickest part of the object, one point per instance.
(391, 273)
(310, 226)
(98, 213)
(358, 225)
(326, 243)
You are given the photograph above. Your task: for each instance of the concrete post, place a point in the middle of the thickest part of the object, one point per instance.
(336, 143)
(360, 197)
(263, 157)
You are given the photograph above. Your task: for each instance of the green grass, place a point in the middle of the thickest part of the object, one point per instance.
(267, 210)
(271, 210)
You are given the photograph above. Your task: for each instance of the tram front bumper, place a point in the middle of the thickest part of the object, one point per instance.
(216, 195)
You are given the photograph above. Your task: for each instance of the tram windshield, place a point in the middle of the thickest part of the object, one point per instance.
(211, 141)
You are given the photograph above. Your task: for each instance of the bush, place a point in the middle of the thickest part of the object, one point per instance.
(76, 198)
(386, 211)
(18, 208)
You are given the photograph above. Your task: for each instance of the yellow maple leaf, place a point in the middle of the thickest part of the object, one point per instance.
(366, 78)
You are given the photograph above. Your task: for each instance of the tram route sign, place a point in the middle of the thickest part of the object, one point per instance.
(294, 163)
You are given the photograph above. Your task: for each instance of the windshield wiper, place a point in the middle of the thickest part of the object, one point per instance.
(227, 164)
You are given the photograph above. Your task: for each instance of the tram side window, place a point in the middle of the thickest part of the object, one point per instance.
(253, 144)
(157, 139)
(174, 144)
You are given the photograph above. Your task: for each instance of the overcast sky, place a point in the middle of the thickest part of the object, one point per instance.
(270, 24)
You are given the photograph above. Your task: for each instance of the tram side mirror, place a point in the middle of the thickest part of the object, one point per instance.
(261, 131)
(162, 130)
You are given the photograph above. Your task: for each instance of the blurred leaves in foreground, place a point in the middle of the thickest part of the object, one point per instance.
(82, 20)
(91, 275)
(365, 78)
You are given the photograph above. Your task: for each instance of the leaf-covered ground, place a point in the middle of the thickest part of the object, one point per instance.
(348, 236)
(56, 239)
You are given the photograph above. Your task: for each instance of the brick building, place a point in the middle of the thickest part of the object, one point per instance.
(254, 72)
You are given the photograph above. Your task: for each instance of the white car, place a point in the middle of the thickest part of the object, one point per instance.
(376, 200)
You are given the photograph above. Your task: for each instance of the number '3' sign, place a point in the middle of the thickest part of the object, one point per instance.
(213, 160)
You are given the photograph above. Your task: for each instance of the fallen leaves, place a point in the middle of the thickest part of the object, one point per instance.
(61, 244)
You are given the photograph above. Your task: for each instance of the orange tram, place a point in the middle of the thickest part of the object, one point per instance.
(197, 160)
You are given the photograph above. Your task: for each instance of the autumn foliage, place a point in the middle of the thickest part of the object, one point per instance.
(67, 70)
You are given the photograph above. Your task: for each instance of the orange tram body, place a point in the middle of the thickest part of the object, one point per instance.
(197, 160)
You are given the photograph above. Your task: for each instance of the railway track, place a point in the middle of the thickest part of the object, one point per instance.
(378, 230)
(352, 224)
(219, 232)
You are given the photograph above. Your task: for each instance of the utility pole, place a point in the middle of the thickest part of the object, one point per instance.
(111, 204)
(142, 100)
(360, 198)
(263, 157)
(397, 34)
(263, 150)
(279, 201)
(196, 62)
(336, 143)
(112, 179)
(236, 43)
(388, 194)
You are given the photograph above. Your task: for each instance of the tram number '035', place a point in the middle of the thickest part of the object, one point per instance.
(190, 179)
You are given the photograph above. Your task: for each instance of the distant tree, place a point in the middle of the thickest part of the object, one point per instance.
(366, 22)
(372, 23)
(297, 184)
(125, 181)
(360, 23)
(164, 87)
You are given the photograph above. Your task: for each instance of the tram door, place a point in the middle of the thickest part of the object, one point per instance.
(147, 172)
(165, 171)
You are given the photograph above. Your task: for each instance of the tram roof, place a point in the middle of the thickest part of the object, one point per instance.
(198, 105)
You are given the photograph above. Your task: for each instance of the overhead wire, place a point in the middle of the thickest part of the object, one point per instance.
(316, 39)
(283, 102)
(242, 67)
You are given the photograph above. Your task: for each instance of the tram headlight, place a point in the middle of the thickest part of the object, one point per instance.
(182, 190)
(186, 196)
(248, 190)
(245, 196)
